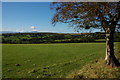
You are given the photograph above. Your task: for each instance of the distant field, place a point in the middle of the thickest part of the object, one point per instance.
(48, 60)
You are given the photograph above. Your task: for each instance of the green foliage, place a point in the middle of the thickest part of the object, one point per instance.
(55, 38)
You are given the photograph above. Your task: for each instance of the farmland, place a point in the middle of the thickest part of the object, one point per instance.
(49, 55)
(37, 38)
(48, 60)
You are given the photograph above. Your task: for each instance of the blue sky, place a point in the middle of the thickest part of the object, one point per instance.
(20, 16)
(0, 15)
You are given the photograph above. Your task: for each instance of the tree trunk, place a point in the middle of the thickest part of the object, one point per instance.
(110, 57)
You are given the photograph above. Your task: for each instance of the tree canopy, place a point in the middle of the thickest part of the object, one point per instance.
(101, 15)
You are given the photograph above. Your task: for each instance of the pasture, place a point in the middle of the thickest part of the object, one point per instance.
(48, 60)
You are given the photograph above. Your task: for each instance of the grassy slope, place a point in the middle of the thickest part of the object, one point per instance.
(48, 60)
(98, 69)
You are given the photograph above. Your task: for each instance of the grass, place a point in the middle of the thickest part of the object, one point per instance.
(100, 40)
(48, 60)
(98, 69)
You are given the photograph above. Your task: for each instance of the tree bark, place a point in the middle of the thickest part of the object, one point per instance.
(110, 57)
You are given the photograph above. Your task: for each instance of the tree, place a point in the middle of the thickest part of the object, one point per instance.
(100, 15)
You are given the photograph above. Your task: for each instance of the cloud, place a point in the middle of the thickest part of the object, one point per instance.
(33, 27)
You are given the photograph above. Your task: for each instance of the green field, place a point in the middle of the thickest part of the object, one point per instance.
(48, 60)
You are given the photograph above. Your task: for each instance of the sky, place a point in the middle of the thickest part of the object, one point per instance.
(31, 16)
(60, 0)
(0, 15)
(22, 16)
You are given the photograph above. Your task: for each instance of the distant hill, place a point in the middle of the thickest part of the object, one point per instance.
(7, 32)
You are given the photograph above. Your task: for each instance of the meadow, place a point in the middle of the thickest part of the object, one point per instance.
(48, 60)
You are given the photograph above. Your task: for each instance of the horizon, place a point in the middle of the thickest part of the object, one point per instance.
(46, 32)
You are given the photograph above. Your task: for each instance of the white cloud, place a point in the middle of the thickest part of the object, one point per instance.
(33, 27)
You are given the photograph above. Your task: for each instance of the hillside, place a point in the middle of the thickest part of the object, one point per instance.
(47, 37)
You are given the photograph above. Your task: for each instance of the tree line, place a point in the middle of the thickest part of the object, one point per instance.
(31, 38)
